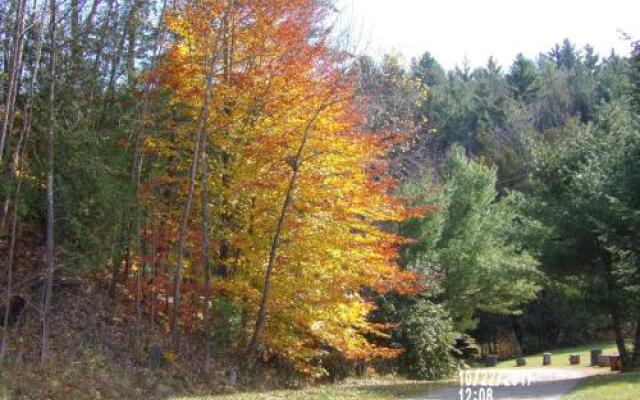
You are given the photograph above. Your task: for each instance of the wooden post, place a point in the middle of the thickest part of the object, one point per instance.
(615, 363)
(604, 360)
(574, 359)
(595, 355)
(492, 360)
(546, 359)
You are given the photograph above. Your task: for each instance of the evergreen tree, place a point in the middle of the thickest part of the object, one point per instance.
(428, 71)
(565, 56)
(522, 78)
(470, 242)
(635, 74)
(585, 195)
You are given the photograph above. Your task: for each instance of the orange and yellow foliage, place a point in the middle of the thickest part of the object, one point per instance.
(274, 77)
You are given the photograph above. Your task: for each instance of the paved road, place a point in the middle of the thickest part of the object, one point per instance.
(511, 384)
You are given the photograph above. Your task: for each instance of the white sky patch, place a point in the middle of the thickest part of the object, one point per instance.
(477, 29)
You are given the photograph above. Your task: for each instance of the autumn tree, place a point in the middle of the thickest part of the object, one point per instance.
(289, 170)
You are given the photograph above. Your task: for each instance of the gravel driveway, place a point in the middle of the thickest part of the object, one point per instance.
(534, 383)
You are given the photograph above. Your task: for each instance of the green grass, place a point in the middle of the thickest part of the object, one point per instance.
(607, 387)
(560, 357)
(378, 390)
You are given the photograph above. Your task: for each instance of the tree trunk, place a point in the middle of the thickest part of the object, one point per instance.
(128, 32)
(175, 336)
(115, 62)
(115, 272)
(103, 36)
(275, 241)
(177, 281)
(26, 122)
(127, 263)
(146, 100)
(14, 76)
(4, 12)
(132, 36)
(140, 265)
(154, 269)
(19, 159)
(619, 337)
(636, 344)
(88, 23)
(136, 163)
(205, 252)
(616, 321)
(209, 65)
(75, 58)
(7, 306)
(49, 241)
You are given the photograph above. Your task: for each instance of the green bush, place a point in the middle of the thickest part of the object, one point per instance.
(426, 333)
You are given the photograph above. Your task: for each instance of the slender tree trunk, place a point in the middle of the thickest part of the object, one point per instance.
(139, 302)
(132, 35)
(14, 75)
(129, 26)
(154, 269)
(115, 272)
(139, 270)
(205, 251)
(636, 344)
(75, 59)
(146, 99)
(136, 164)
(8, 26)
(209, 65)
(175, 335)
(88, 23)
(224, 248)
(5, 10)
(24, 137)
(127, 263)
(136, 173)
(7, 306)
(97, 63)
(275, 241)
(49, 246)
(99, 50)
(26, 122)
(202, 120)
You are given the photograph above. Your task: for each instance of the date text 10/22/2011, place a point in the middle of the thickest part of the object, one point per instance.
(494, 378)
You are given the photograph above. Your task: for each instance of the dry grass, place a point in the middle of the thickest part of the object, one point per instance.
(368, 390)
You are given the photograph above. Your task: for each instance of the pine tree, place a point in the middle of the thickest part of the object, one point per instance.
(522, 78)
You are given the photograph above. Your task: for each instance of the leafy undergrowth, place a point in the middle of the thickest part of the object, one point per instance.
(368, 390)
(560, 357)
(95, 379)
(91, 377)
(620, 386)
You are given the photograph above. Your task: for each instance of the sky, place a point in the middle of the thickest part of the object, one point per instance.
(453, 30)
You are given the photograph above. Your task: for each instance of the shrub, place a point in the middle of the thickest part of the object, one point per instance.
(426, 333)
